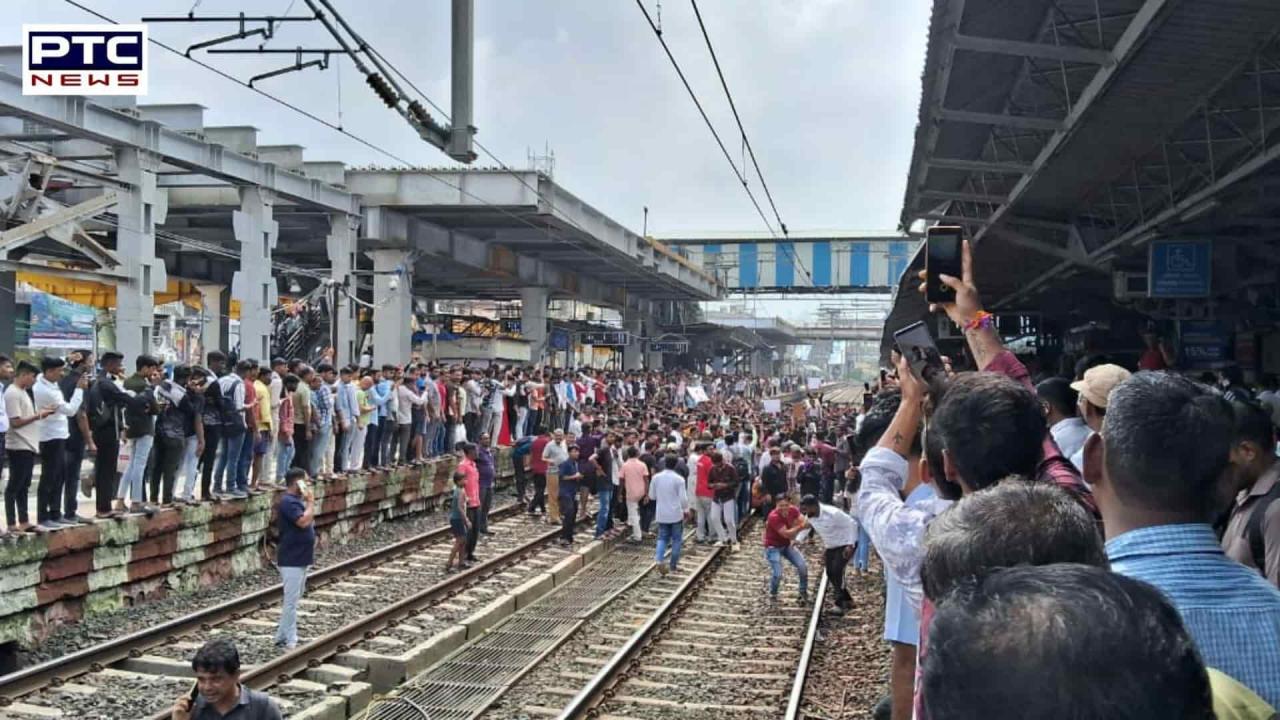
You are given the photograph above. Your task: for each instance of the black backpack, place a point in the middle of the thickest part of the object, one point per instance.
(1253, 528)
(740, 467)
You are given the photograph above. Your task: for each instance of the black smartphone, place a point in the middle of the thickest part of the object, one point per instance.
(942, 257)
(916, 345)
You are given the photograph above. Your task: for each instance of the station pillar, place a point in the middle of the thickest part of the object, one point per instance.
(653, 360)
(762, 362)
(633, 352)
(392, 306)
(138, 210)
(341, 247)
(254, 284)
(8, 309)
(533, 321)
(214, 304)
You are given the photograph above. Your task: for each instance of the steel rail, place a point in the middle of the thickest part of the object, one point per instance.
(806, 654)
(598, 687)
(294, 662)
(97, 657)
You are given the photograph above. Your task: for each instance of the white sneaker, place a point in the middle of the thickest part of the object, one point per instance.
(719, 543)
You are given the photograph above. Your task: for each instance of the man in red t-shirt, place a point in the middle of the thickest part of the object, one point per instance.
(538, 466)
(780, 529)
(703, 496)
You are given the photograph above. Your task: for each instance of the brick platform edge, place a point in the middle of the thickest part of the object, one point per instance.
(60, 577)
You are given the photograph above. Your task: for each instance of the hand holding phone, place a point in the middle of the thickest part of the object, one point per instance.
(916, 345)
(942, 257)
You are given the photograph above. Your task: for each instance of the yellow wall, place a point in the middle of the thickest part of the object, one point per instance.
(103, 295)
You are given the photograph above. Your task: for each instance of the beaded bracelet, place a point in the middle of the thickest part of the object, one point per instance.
(981, 321)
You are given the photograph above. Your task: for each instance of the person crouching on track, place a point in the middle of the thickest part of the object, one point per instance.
(459, 525)
(838, 532)
(218, 692)
(296, 551)
(780, 529)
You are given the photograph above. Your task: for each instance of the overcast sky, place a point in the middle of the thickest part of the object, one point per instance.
(827, 89)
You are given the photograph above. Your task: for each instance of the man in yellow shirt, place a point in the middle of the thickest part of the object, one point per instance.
(264, 431)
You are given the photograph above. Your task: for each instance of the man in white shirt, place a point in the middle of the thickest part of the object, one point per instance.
(275, 388)
(22, 442)
(839, 533)
(1068, 429)
(54, 432)
(667, 492)
(555, 453)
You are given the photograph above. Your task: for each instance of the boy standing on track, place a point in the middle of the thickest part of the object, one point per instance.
(296, 551)
(458, 523)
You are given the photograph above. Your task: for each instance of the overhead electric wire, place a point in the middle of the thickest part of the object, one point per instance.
(701, 111)
(745, 141)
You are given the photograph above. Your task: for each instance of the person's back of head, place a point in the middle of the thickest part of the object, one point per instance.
(1056, 392)
(1061, 642)
(1165, 445)
(1014, 523)
(987, 427)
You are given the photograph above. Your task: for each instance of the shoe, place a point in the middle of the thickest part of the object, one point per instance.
(82, 519)
(64, 523)
(804, 598)
(144, 509)
(720, 543)
(47, 526)
(663, 569)
(238, 495)
(465, 564)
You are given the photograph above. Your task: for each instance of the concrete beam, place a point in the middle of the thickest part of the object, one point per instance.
(1064, 53)
(961, 196)
(1006, 168)
(82, 118)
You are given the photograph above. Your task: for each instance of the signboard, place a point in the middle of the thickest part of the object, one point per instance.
(698, 394)
(559, 340)
(669, 346)
(606, 339)
(1205, 344)
(814, 383)
(511, 326)
(60, 323)
(773, 405)
(1180, 268)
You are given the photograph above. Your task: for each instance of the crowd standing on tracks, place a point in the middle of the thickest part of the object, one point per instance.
(1115, 531)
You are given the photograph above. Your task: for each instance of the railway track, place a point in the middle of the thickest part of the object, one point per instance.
(716, 648)
(359, 620)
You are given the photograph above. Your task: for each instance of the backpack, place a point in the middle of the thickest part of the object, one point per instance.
(231, 416)
(1253, 528)
(740, 467)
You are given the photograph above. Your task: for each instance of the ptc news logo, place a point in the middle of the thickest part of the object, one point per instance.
(84, 60)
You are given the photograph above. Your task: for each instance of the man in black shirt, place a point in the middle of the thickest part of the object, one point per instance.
(773, 479)
(105, 405)
(79, 363)
(170, 435)
(211, 417)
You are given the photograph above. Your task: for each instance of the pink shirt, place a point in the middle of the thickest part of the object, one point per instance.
(634, 472)
(286, 416)
(471, 482)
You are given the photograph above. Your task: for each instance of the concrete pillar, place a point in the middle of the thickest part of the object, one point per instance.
(213, 319)
(633, 353)
(762, 362)
(533, 320)
(138, 211)
(653, 360)
(341, 246)
(254, 284)
(392, 331)
(8, 309)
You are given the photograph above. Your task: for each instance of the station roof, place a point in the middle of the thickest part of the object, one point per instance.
(526, 215)
(1067, 134)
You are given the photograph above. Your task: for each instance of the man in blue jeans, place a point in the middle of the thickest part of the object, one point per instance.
(780, 529)
(233, 430)
(296, 551)
(670, 498)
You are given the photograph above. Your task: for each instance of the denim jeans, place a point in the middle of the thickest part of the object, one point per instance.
(602, 516)
(245, 462)
(189, 472)
(793, 556)
(486, 504)
(672, 533)
(319, 446)
(862, 555)
(224, 471)
(284, 458)
(294, 580)
(131, 483)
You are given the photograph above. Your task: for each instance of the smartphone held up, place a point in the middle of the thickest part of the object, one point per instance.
(916, 344)
(943, 248)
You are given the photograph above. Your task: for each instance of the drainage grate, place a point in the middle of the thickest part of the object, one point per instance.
(468, 681)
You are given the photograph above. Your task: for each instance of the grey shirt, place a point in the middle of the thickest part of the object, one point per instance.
(253, 705)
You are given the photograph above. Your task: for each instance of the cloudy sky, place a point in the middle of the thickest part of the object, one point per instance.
(827, 89)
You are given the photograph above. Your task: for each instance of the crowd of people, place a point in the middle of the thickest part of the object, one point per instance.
(1100, 546)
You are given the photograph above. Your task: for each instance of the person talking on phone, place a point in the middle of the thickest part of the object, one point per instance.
(295, 552)
(218, 693)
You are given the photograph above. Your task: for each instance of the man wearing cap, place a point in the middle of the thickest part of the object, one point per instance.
(1094, 388)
